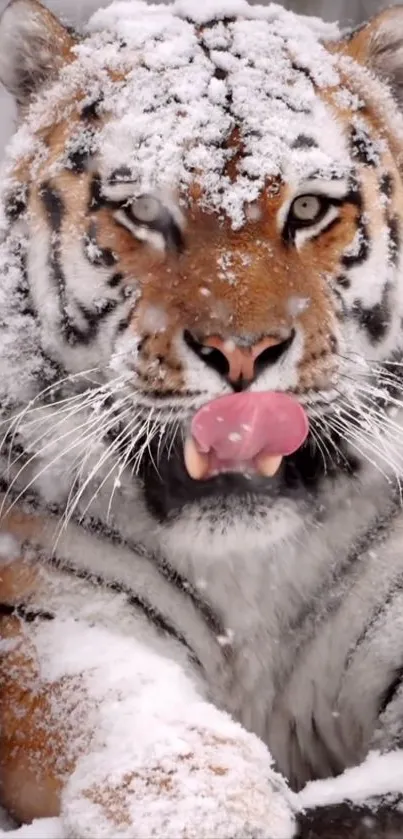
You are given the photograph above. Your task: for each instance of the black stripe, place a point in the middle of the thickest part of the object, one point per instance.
(24, 301)
(123, 324)
(55, 209)
(329, 596)
(344, 281)
(21, 610)
(335, 766)
(303, 141)
(277, 97)
(220, 73)
(96, 200)
(352, 260)
(91, 110)
(301, 69)
(354, 194)
(391, 692)
(94, 319)
(390, 378)
(54, 205)
(329, 226)
(341, 311)
(121, 175)
(394, 239)
(293, 226)
(376, 616)
(362, 147)
(150, 612)
(115, 279)
(386, 185)
(392, 46)
(225, 19)
(51, 374)
(376, 320)
(77, 160)
(164, 224)
(333, 344)
(171, 575)
(16, 204)
(72, 333)
(80, 149)
(96, 254)
(351, 32)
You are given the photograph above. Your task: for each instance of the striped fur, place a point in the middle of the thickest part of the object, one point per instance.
(220, 620)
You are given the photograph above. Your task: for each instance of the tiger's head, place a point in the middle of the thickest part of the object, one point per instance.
(203, 203)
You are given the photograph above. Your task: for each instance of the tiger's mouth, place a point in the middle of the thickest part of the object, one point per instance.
(275, 457)
(247, 432)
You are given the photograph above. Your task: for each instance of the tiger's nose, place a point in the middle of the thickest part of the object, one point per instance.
(240, 364)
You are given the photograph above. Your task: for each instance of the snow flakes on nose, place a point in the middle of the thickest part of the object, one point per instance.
(154, 319)
(198, 72)
(296, 305)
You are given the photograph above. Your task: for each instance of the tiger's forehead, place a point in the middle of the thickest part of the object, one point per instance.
(227, 96)
(194, 81)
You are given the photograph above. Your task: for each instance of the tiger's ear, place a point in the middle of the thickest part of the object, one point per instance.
(33, 47)
(379, 46)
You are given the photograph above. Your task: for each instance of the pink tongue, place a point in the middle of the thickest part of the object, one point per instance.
(238, 427)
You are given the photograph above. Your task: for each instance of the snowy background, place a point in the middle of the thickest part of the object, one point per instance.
(77, 11)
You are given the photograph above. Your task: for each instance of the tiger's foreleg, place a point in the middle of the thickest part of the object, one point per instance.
(164, 762)
(118, 735)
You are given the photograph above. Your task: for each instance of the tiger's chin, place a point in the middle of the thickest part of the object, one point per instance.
(169, 489)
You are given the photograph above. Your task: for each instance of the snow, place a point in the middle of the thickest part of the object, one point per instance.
(39, 829)
(234, 437)
(9, 548)
(297, 305)
(172, 119)
(76, 12)
(176, 790)
(19, 333)
(380, 774)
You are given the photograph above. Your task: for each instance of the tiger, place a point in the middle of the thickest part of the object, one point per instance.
(201, 373)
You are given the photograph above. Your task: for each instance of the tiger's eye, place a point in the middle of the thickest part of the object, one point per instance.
(307, 208)
(146, 209)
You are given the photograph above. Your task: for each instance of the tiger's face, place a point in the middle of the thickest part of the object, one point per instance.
(213, 210)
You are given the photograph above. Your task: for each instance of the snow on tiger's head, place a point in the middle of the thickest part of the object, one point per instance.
(202, 199)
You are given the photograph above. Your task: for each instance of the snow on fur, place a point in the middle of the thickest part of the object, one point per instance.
(172, 109)
(185, 92)
(379, 775)
(9, 548)
(191, 771)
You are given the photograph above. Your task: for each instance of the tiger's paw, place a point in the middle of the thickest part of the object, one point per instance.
(197, 786)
